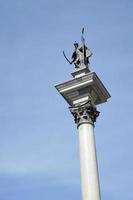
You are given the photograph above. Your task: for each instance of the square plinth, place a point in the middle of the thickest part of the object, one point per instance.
(80, 90)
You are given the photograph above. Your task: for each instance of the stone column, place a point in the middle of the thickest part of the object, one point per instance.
(85, 115)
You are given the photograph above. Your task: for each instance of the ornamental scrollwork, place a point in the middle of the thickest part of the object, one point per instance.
(85, 113)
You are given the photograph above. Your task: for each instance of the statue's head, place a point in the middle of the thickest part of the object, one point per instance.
(76, 45)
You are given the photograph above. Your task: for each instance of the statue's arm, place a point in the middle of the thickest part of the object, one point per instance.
(73, 58)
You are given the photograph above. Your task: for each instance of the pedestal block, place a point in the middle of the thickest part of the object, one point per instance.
(82, 89)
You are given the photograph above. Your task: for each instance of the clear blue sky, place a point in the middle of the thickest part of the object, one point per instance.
(39, 155)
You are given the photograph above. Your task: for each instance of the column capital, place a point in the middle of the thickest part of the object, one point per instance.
(85, 113)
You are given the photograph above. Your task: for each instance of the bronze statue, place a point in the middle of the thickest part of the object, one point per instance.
(81, 54)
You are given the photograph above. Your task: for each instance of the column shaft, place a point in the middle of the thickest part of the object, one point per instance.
(88, 163)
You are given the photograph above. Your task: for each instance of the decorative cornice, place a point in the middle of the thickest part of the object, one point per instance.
(85, 113)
